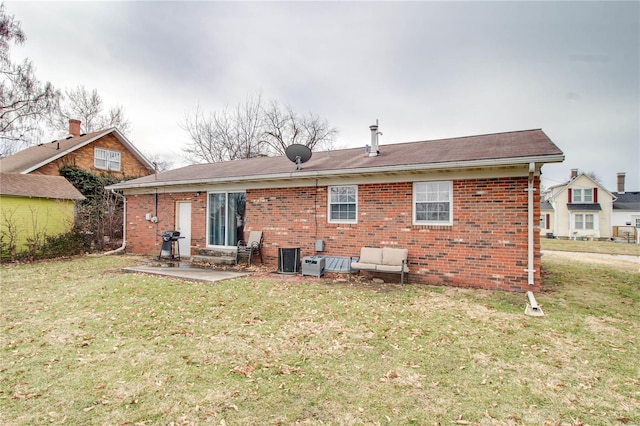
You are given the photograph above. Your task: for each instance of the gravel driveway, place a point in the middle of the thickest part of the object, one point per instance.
(619, 260)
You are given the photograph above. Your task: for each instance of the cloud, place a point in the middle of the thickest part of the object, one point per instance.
(427, 70)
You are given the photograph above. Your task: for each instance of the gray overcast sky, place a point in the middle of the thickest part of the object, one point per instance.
(426, 70)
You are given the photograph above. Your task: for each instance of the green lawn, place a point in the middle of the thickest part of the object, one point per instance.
(605, 247)
(82, 343)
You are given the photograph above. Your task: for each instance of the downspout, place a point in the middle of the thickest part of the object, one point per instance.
(124, 226)
(530, 228)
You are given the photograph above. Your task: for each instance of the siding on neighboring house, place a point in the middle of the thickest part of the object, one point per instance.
(547, 216)
(32, 217)
(35, 205)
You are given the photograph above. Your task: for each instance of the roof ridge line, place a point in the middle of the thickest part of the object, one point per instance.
(471, 136)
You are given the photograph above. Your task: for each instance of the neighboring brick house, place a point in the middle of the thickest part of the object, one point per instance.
(466, 208)
(578, 209)
(104, 151)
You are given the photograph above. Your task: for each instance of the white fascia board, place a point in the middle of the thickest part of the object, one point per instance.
(360, 179)
(325, 174)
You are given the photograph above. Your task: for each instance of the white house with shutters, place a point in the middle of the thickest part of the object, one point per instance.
(579, 209)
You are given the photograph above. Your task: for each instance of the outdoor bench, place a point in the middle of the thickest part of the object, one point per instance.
(383, 259)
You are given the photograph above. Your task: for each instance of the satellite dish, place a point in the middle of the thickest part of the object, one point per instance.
(298, 154)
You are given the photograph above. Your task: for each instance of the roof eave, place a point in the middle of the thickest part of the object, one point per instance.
(541, 159)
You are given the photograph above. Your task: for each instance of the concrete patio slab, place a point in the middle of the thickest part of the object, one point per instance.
(187, 272)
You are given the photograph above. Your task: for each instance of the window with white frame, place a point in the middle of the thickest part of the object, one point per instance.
(343, 204)
(582, 195)
(106, 159)
(433, 203)
(584, 221)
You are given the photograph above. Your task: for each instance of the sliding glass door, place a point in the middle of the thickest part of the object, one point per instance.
(226, 218)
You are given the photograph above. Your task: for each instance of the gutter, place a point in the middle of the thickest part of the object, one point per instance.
(124, 227)
(341, 172)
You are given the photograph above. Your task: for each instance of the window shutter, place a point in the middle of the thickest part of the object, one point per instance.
(569, 194)
(595, 195)
(548, 218)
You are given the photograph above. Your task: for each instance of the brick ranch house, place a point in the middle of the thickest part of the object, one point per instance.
(467, 209)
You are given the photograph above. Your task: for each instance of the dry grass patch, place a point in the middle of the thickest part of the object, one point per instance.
(82, 344)
(603, 247)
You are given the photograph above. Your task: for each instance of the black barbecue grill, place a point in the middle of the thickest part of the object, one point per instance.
(169, 241)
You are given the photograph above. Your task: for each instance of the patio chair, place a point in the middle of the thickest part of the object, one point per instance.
(250, 248)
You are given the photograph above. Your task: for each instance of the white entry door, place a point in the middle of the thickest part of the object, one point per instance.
(183, 224)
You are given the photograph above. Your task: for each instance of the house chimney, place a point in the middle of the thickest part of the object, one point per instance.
(74, 127)
(373, 152)
(621, 182)
(574, 173)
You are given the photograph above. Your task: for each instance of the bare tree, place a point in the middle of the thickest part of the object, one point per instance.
(9, 233)
(284, 127)
(251, 129)
(229, 134)
(88, 107)
(160, 162)
(24, 100)
(35, 241)
(246, 128)
(205, 146)
(593, 175)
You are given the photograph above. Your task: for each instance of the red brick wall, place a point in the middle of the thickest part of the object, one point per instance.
(142, 235)
(83, 158)
(486, 247)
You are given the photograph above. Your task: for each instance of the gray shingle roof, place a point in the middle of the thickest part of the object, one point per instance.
(32, 156)
(584, 207)
(545, 205)
(627, 201)
(38, 186)
(498, 148)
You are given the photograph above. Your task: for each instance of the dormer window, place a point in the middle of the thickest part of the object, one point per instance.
(582, 195)
(106, 160)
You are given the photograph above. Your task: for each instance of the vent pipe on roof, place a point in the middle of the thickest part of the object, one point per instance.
(374, 151)
(74, 127)
(621, 177)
